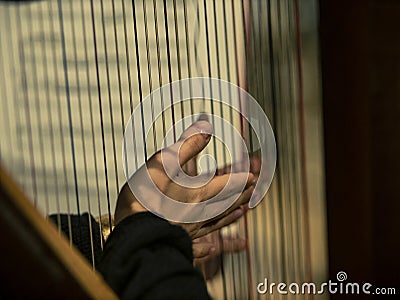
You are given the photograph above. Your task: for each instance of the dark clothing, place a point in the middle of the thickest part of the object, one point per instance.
(145, 257)
(82, 233)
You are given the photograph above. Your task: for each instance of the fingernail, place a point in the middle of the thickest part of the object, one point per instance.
(204, 128)
(212, 250)
(206, 136)
(203, 117)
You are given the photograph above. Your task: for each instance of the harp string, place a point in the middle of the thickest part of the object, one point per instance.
(282, 177)
(160, 78)
(234, 154)
(60, 125)
(168, 40)
(254, 86)
(95, 48)
(242, 224)
(178, 55)
(49, 117)
(246, 10)
(304, 230)
(70, 122)
(264, 79)
(81, 125)
(11, 93)
(146, 33)
(68, 100)
(214, 140)
(108, 84)
(36, 107)
(4, 94)
(291, 214)
(264, 52)
(89, 97)
(225, 161)
(117, 52)
(139, 77)
(26, 104)
(187, 46)
(271, 233)
(110, 106)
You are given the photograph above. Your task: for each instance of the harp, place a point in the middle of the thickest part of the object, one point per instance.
(73, 71)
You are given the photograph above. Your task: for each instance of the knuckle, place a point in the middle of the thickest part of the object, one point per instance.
(201, 194)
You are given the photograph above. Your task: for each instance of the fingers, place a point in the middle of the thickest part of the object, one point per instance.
(203, 249)
(255, 166)
(233, 244)
(229, 218)
(193, 140)
(190, 144)
(233, 183)
(239, 208)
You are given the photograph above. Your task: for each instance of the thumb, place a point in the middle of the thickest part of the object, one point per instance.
(193, 140)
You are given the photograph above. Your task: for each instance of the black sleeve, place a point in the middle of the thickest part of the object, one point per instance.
(145, 257)
(86, 237)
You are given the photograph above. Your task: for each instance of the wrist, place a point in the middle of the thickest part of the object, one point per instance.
(127, 205)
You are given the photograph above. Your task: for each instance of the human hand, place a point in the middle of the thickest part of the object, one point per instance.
(207, 248)
(214, 244)
(192, 142)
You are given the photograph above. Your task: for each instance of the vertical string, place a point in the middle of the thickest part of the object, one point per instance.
(276, 204)
(255, 51)
(189, 67)
(291, 168)
(207, 40)
(68, 96)
(139, 77)
(306, 263)
(105, 48)
(34, 75)
(8, 149)
(178, 59)
(146, 33)
(116, 38)
(268, 102)
(243, 131)
(284, 152)
(128, 68)
(89, 95)
(160, 79)
(169, 65)
(49, 115)
(101, 114)
(26, 102)
(60, 125)
(14, 65)
(234, 154)
(77, 81)
(218, 63)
